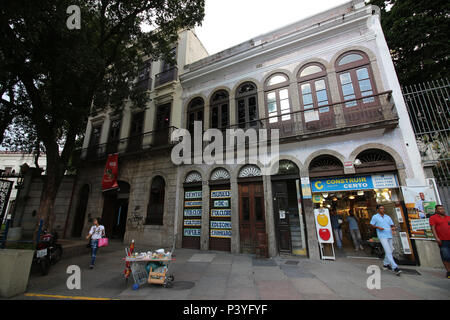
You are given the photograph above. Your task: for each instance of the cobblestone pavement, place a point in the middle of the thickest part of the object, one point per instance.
(201, 275)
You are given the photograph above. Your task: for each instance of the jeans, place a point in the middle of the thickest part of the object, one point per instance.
(94, 249)
(388, 249)
(356, 237)
(338, 236)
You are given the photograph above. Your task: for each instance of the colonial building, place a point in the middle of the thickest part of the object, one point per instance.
(326, 83)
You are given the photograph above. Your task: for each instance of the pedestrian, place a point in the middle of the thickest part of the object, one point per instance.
(354, 231)
(97, 232)
(336, 222)
(440, 226)
(385, 226)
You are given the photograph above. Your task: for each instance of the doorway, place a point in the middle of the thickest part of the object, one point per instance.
(251, 215)
(115, 211)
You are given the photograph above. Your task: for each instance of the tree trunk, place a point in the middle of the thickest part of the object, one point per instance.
(55, 175)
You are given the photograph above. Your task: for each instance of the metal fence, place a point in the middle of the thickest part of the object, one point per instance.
(428, 108)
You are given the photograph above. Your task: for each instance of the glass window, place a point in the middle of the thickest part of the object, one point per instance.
(219, 110)
(259, 208)
(310, 70)
(353, 57)
(277, 79)
(245, 209)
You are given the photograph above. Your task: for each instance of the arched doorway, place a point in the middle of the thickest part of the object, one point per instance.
(80, 212)
(192, 211)
(251, 207)
(115, 210)
(220, 231)
(289, 225)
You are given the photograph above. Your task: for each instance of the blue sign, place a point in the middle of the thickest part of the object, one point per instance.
(192, 212)
(342, 184)
(220, 212)
(193, 223)
(193, 204)
(193, 195)
(192, 232)
(366, 182)
(221, 203)
(220, 224)
(220, 194)
(220, 233)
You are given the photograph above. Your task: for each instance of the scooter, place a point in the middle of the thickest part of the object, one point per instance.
(48, 252)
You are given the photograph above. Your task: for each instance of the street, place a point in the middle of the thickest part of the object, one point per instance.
(214, 275)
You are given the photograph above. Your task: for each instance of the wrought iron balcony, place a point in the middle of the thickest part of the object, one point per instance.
(166, 76)
(135, 144)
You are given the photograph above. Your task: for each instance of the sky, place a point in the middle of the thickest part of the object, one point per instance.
(231, 22)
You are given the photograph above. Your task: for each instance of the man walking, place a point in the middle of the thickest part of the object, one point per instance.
(440, 226)
(384, 225)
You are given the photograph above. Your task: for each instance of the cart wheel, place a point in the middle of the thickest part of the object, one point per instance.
(171, 278)
(167, 284)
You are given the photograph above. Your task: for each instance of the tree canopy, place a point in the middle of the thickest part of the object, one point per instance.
(50, 75)
(417, 35)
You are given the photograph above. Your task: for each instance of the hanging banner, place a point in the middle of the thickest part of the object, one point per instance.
(109, 181)
(421, 203)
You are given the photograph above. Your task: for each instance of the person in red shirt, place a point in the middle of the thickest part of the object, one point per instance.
(440, 225)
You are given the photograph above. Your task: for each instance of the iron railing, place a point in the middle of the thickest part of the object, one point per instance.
(143, 142)
(428, 108)
(166, 76)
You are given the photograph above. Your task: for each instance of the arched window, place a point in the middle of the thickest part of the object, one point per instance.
(355, 78)
(247, 105)
(313, 87)
(277, 98)
(325, 165)
(195, 113)
(220, 113)
(155, 209)
(375, 160)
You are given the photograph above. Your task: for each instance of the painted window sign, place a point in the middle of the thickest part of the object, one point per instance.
(193, 204)
(220, 224)
(192, 222)
(221, 203)
(366, 182)
(220, 194)
(192, 212)
(193, 195)
(192, 232)
(220, 212)
(220, 233)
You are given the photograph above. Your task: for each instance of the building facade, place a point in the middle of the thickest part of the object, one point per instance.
(326, 83)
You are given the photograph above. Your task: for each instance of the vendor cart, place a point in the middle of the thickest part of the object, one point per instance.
(158, 271)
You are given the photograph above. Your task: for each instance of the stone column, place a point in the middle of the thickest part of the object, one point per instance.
(235, 239)
(204, 240)
(270, 224)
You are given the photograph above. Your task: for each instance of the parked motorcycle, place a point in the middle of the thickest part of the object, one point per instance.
(48, 252)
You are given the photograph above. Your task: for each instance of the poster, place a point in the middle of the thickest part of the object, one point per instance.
(306, 188)
(421, 203)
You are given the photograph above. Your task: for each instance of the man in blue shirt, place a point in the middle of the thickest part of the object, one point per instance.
(384, 225)
(336, 221)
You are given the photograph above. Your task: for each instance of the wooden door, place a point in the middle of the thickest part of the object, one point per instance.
(281, 216)
(251, 215)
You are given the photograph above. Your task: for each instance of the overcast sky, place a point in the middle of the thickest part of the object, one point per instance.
(230, 22)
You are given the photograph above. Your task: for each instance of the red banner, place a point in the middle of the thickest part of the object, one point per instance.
(110, 174)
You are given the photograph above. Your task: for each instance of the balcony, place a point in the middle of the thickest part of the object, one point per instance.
(166, 76)
(149, 141)
(366, 113)
(144, 85)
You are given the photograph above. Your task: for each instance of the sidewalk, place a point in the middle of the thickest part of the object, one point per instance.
(201, 275)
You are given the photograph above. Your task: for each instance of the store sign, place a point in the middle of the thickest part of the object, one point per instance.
(420, 224)
(220, 233)
(192, 232)
(192, 222)
(323, 225)
(306, 188)
(366, 182)
(220, 212)
(220, 194)
(221, 203)
(220, 224)
(193, 195)
(192, 212)
(193, 204)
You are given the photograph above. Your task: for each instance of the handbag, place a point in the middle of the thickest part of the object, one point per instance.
(103, 242)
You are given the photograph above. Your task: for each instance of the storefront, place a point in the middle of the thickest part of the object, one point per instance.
(192, 211)
(359, 195)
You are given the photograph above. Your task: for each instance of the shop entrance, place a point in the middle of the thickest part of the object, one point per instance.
(115, 211)
(220, 218)
(192, 211)
(251, 215)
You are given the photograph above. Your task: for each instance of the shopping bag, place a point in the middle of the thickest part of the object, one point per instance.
(102, 242)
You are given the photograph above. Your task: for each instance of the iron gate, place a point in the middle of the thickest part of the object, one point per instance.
(5, 192)
(428, 108)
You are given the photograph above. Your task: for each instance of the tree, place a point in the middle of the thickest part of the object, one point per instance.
(58, 72)
(416, 32)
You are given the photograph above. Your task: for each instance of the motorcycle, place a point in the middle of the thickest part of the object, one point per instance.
(48, 252)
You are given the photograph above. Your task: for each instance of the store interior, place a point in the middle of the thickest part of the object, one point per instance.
(363, 204)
